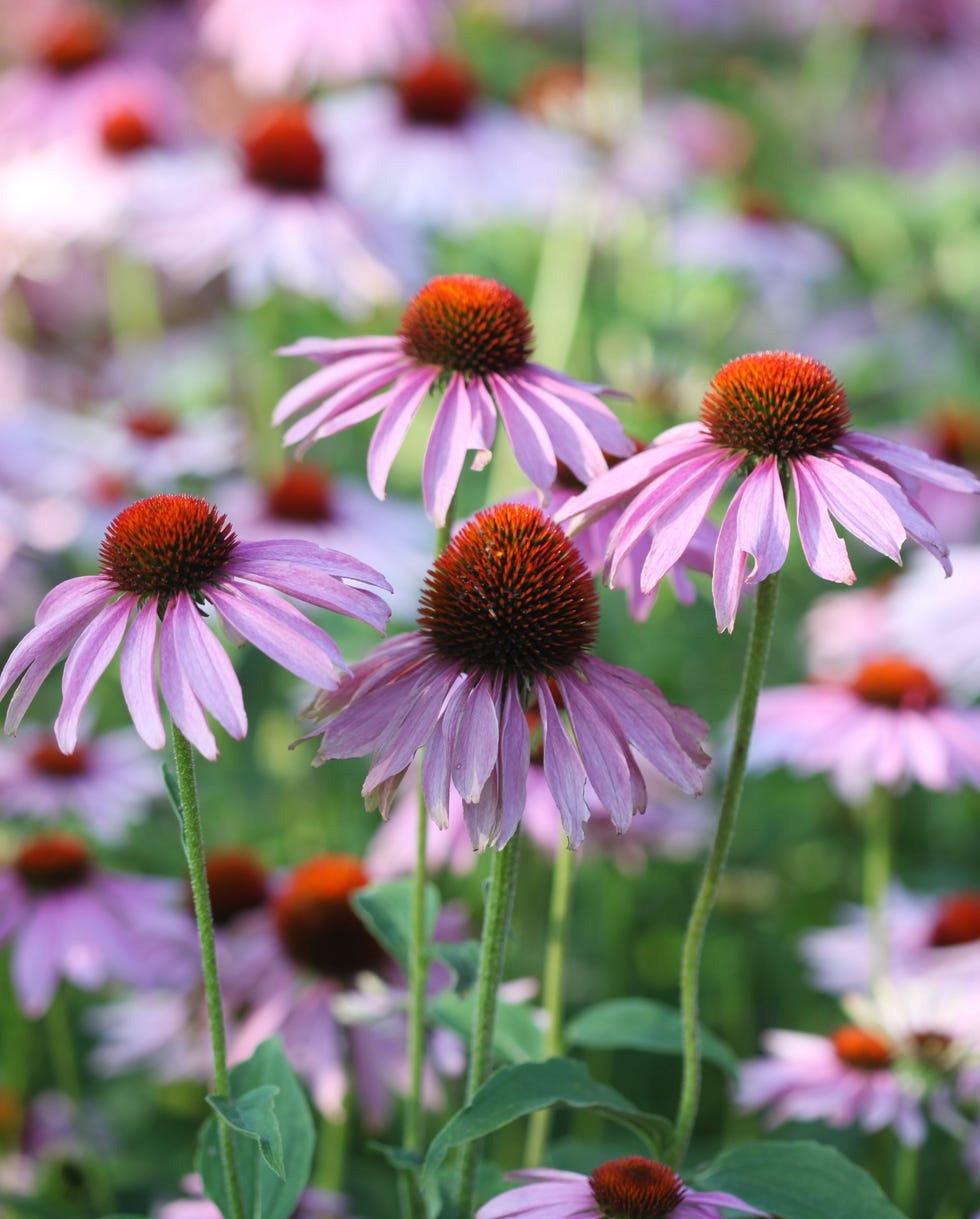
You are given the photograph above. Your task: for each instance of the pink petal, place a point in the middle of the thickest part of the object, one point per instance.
(911, 461)
(179, 698)
(755, 524)
(604, 750)
(823, 548)
(527, 434)
(396, 418)
(306, 584)
(573, 442)
(137, 670)
(87, 661)
(328, 380)
(474, 747)
(515, 759)
(446, 450)
(206, 665)
(858, 506)
(594, 413)
(563, 768)
(352, 404)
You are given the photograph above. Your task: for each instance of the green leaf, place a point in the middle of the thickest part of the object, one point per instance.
(463, 958)
(515, 1091)
(265, 1195)
(386, 910)
(642, 1024)
(254, 1115)
(799, 1180)
(516, 1038)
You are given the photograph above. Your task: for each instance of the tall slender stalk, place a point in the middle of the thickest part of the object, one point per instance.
(193, 836)
(496, 926)
(876, 821)
(552, 985)
(752, 677)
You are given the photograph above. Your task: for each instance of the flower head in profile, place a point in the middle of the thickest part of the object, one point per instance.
(468, 339)
(508, 615)
(162, 561)
(890, 722)
(631, 1188)
(781, 419)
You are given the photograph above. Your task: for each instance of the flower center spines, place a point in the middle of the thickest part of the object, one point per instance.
(467, 324)
(165, 545)
(510, 595)
(636, 1188)
(776, 404)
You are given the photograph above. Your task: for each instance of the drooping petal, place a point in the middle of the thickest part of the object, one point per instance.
(603, 748)
(515, 760)
(755, 524)
(206, 665)
(280, 631)
(436, 778)
(87, 661)
(475, 741)
(563, 768)
(307, 584)
(528, 436)
(305, 554)
(573, 443)
(138, 675)
(446, 451)
(351, 404)
(823, 547)
(859, 506)
(328, 380)
(179, 698)
(406, 398)
(582, 399)
(909, 460)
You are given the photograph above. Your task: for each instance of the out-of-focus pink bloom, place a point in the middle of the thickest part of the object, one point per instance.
(926, 935)
(508, 609)
(162, 559)
(890, 724)
(776, 414)
(841, 630)
(308, 502)
(312, 1204)
(470, 340)
(270, 217)
(634, 1186)
(951, 433)
(275, 46)
(433, 153)
(108, 780)
(938, 625)
(671, 826)
(68, 918)
(298, 971)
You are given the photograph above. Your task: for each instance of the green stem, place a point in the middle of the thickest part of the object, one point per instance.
(193, 836)
(62, 1046)
(752, 678)
(496, 925)
(876, 818)
(906, 1177)
(418, 977)
(552, 987)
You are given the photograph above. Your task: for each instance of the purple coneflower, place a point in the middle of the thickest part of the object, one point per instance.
(109, 780)
(438, 156)
(470, 339)
(267, 215)
(633, 1186)
(890, 723)
(782, 418)
(162, 560)
(68, 918)
(508, 613)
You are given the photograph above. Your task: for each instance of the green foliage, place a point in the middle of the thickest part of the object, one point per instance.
(642, 1024)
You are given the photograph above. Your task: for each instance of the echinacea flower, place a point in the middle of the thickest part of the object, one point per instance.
(783, 419)
(470, 340)
(109, 780)
(432, 152)
(69, 918)
(507, 610)
(889, 723)
(933, 935)
(276, 45)
(162, 560)
(267, 215)
(295, 973)
(633, 1186)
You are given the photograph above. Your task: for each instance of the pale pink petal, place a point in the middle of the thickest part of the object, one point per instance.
(206, 665)
(527, 434)
(563, 768)
(280, 631)
(328, 351)
(581, 398)
(35, 965)
(755, 524)
(858, 506)
(343, 404)
(87, 661)
(515, 759)
(446, 451)
(328, 380)
(137, 671)
(436, 777)
(823, 547)
(307, 584)
(474, 746)
(406, 398)
(910, 461)
(604, 750)
(179, 698)
(573, 443)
